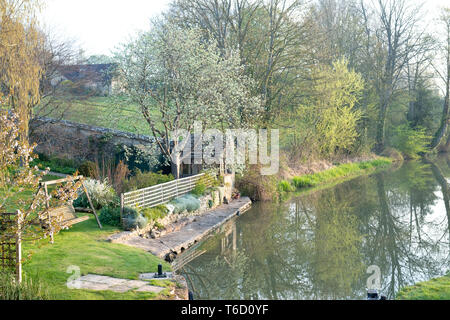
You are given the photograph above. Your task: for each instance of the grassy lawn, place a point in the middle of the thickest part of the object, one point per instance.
(108, 112)
(435, 289)
(85, 246)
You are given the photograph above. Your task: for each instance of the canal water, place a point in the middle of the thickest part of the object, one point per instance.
(327, 244)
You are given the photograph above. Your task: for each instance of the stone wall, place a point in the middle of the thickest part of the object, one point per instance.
(79, 141)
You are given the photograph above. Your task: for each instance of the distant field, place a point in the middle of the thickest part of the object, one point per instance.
(109, 112)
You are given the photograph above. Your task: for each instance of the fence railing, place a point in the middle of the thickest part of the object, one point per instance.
(10, 245)
(161, 193)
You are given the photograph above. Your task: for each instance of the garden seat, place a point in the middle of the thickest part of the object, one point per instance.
(68, 215)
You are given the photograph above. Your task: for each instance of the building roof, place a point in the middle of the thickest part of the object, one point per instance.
(88, 72)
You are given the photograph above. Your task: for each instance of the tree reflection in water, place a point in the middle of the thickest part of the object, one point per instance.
(319, 245)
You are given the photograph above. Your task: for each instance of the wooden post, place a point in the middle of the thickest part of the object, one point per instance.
(19, 248)
(47, 205)
(122, 204)
(92, 206)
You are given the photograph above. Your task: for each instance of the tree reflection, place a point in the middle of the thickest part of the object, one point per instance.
(319, 245)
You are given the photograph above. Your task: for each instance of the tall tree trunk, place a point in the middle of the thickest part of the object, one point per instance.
(381, 128)
(440, 133)
(175, 167)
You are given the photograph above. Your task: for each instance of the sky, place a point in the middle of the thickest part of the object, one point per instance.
(98, 26)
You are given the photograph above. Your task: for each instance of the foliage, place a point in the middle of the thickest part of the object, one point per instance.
(187, 77)
(330, 111)
(411, 142)
(19, 60)
(285, 186)
(144, 180)
(102, 194)
(18, 177)
(185, 203)
(29, 289)
(88, 169)
(199, 189)
(252, 184)
(155, 213)
(56, 164)
(141, 158)
(110, 216)
(132, 221)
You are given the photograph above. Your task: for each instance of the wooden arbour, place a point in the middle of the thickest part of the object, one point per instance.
(68, 211)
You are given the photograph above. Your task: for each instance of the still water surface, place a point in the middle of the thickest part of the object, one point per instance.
(319, 245)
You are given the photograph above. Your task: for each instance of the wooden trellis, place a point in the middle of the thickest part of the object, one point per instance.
(10, 245)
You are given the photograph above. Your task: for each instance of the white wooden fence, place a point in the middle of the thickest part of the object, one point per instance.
(161, 193)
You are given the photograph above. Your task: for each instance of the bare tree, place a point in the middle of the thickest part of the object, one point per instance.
(445, 77)
(391, 30)
(268, 35)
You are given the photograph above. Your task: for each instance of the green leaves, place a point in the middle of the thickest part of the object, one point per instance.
(411, 142)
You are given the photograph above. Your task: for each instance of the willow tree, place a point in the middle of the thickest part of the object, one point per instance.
(20, 69)
(178, 77)
(330, 111)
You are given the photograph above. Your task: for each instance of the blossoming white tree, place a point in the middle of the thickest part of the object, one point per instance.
(18, 177)
(179, 76)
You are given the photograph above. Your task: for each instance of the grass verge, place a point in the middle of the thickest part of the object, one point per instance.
(434, 289)
(338, 173)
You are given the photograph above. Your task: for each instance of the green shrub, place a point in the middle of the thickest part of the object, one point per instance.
(132, 219)
(187, 202)
(110, 216)
(210, 203)
(141, 158)
(256, 186)
(411, 142)
(27, 290)
(88, 169)
(199, 189)
(155, 213)
(144, 180)
(285, 186)
(141, 221)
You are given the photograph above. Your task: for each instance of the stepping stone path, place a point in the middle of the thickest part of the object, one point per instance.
(96, 282)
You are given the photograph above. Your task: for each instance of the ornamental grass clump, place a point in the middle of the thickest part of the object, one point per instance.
(101, 193)
(185, 203)
(10, 289)
(132, 219)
